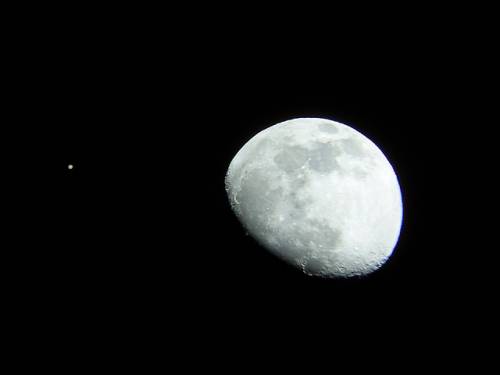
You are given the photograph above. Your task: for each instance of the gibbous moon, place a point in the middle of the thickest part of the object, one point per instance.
(319, 195)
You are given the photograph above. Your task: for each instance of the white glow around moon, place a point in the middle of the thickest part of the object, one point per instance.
(319, 195)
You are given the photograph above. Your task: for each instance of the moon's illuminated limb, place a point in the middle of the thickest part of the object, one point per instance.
(318, 194)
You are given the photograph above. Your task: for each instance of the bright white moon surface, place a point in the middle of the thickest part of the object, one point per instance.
(70, 166)
(319, 195)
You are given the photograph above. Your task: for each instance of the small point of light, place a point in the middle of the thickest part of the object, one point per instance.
(70, 166)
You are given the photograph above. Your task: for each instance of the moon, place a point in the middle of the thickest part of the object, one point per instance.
(319, 195)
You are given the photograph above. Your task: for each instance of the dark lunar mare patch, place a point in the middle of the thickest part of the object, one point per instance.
(323, 157)
(328, 127)
(325, 235)
(353, 147)
(291, 158)
(256, 199)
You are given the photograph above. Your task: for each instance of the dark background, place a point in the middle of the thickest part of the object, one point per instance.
(138, 243)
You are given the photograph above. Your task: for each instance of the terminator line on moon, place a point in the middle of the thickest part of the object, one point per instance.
(319, 195)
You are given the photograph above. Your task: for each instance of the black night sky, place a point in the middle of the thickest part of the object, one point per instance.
(138, 241)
